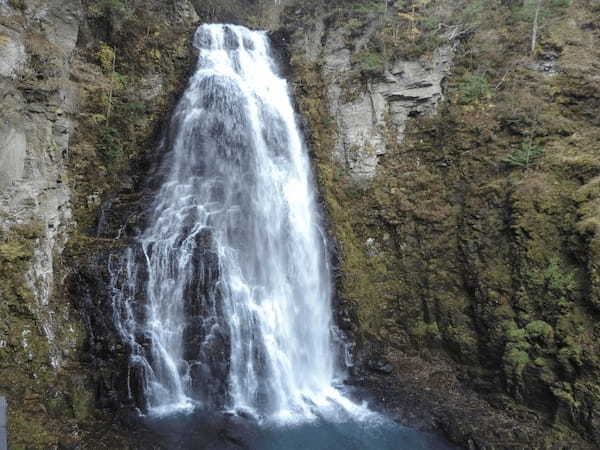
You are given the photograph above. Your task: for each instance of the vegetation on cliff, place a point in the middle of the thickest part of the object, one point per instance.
(131, 61)
(477, 241)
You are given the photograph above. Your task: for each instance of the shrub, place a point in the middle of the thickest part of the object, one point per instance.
(557, 279)
(106, 57)
(370, 61)
(369, 8)
(474, 88)
(526, 156)
(550, 8)
(110, 145)
(515, 362)
(18, 4)
(100, 8)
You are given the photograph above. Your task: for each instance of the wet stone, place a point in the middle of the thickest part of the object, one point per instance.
(381, 366)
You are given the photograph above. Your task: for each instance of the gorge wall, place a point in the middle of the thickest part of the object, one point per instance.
(64, 101)
(459, 174)
(467, 236)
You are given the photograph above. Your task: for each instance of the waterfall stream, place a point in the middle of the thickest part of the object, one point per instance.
(225, 298)
(232, 267)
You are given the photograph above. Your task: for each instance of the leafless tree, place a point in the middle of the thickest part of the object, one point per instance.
(536, 25)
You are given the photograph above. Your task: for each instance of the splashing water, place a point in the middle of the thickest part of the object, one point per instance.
(226, 298)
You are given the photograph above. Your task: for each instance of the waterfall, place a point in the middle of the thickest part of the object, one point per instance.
(225, 298)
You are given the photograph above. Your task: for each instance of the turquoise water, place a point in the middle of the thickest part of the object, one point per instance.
(201, 431)
(348, 436)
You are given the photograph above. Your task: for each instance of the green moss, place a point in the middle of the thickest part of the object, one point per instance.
(515, 361)
(540, 330)
(570, 356)
(14, 251)
(463, 341)
(25, 375)
(118, 118)
(82, 401)
(516, 335)
(425, 333)
(492, 267)
(51, 405)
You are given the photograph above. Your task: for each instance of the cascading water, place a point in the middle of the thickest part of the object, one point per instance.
(232, 270)
(225, 298)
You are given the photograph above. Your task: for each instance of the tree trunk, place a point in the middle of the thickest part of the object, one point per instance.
(536, 26)
(385, 56)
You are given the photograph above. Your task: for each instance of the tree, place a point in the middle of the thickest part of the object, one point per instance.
(540, 13)
(536, 23)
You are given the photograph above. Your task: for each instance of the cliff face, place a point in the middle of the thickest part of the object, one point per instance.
(467, 235)
(59, 152)
(459, 173)
(39, 339)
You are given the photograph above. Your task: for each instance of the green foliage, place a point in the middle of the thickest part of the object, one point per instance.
(555, 278)
(16, 246)
(369, 61)
(431, 23)
(103, 8)
(110, 145)
(549, 8)
(106, 57)
(424, 332)
(565, 397)
(369, 8)
(119, 81)
(515, 334)
(18, 4)
(137, 108)
(81, 400)
(538, 329)
(559, 280)
(474, 88)
(98, 119)
(525, 157)
(570, 356)
(474, 10)
(515, 361)
(354, 25)
(560, 3)
(13, 252)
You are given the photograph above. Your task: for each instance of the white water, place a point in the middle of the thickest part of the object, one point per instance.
(226, 299)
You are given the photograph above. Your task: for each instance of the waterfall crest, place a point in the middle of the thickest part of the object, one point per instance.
(225, 300)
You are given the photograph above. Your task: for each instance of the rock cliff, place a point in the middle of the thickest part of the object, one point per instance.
(459, 173)
(466, 227)
(54, 166)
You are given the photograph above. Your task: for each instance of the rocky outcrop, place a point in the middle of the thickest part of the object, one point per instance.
(39, 333)
(364, 109)
(52, 89)
(37, 45)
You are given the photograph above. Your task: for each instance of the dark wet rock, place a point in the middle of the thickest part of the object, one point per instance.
(381, 366)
